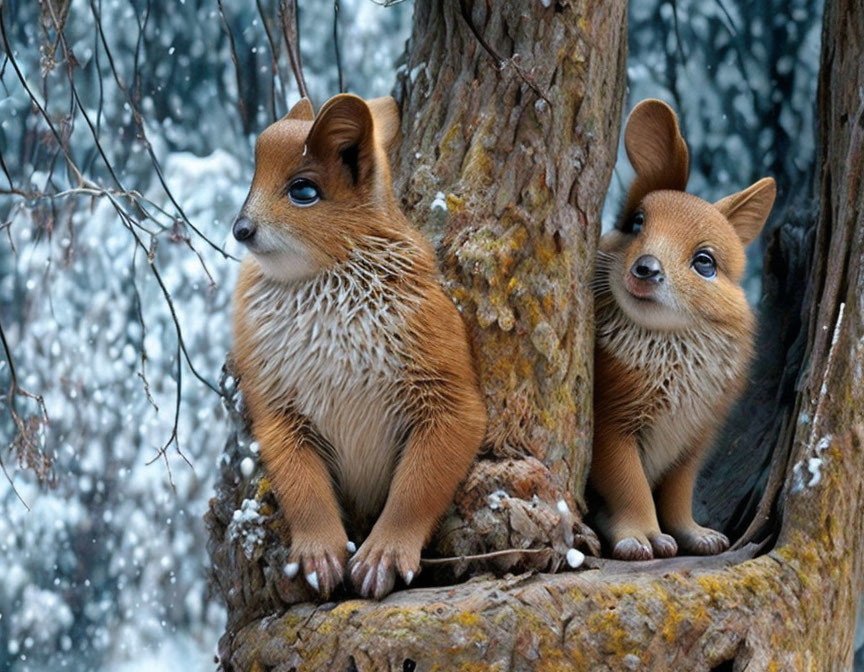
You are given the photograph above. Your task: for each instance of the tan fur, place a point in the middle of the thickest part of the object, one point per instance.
(670, 362)
(354, 364)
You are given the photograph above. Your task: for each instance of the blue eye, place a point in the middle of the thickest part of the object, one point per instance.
(303, 192)
(704, 264)
(634, 223)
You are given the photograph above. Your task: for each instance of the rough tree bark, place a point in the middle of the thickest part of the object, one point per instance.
(510, 117)
(521, 149)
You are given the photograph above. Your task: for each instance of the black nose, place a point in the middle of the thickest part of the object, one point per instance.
(647, 267)
(244, 229)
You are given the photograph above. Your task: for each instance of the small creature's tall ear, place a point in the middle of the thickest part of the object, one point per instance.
(656, 150)
(385, 113)
(343, 131)
(747, 210)
(302, 111)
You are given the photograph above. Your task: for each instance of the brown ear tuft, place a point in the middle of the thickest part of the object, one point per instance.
(385, 112)
(343, 131)
(302, 111)
(748, 209)
(656, 150)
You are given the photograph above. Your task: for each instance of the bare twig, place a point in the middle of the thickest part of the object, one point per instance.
(142, 27)
(290, 28)
(500, 62)
(101, 102)
(736, 40)
(95, 191)
(139, 315)
(124, 215)
(452, 560)
(127, 217)
(24, 442)
(241, 106)
(274, 63)
(678, 44)
(63, 146)
(28, 428)
(163, 451)
(336, 46)
(131, 224)
(5, 170)
(139, 122)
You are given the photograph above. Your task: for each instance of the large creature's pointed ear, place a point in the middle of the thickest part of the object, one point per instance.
(748, 210)
(302, 111)
(343, 132)
(656, 150)
(385, 114)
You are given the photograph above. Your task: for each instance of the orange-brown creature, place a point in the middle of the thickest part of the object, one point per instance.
(354, 364)
(674, 341)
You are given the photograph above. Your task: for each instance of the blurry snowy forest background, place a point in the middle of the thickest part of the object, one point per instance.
(126, 133)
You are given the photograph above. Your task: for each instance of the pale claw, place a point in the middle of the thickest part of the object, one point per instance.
(376, 563)
(702, 541)
(663, 545)
(631, 548)
(323, 568)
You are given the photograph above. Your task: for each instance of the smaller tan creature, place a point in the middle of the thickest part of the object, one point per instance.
(674, 341)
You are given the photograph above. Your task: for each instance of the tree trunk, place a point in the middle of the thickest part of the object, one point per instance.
(510, 119)
(521, 149)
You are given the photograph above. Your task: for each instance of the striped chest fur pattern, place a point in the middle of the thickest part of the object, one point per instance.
(681, 383)
(333, 348)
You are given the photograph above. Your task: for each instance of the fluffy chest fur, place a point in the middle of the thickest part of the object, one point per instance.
(678, 385)
(333, 349)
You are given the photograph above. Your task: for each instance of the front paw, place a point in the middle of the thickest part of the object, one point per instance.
(380, 557)
(645, 547)
(700, 540)
(321, 559)
(632, 548)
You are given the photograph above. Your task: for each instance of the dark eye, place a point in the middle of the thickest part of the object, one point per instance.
(704, 264)
(634, 223)
(304, 192)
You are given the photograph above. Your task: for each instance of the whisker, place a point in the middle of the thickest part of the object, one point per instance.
(603, 265)
(607, 257)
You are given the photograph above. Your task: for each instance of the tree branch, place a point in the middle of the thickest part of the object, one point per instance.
(290, 29)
